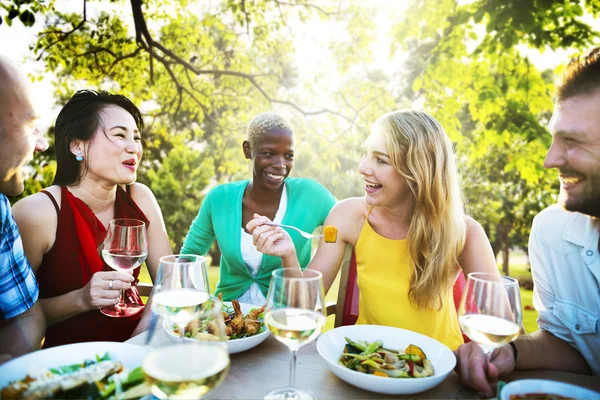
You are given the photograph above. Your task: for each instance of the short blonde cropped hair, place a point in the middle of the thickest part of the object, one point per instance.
(265, 123)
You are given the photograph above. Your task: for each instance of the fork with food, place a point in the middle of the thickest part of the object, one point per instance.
(329, 232)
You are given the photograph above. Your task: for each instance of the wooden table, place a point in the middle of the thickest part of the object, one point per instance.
(255, 372)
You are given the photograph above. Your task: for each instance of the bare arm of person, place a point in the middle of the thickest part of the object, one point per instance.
(539, 350)
(477, 255)
(23, 333)
(37, 221)
(347, 216)
(158, 242)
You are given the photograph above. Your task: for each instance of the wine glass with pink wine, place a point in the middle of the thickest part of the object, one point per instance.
(125, 249)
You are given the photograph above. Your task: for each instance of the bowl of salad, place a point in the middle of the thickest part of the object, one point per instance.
(384, 359)
(243, 324)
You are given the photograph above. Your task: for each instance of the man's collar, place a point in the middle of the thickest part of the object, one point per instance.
(581, 231)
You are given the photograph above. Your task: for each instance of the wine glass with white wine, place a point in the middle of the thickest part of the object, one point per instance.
(295, 314)
(181, 288)
(490, 311)
(192, 367)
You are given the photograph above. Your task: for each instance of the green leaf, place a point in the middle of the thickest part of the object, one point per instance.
(27, 18)
(13, 13)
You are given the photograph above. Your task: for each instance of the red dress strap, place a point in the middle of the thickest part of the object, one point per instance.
(52, 199)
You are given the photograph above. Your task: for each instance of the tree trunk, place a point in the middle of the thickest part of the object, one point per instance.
(505, 256)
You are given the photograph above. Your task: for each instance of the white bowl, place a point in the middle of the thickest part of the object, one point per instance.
(235, 345)
(525, 386)
(331, 345)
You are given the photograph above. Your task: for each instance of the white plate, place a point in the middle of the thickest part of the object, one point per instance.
(525, 386)
(331, 345)
(235, 345)
(129, 355)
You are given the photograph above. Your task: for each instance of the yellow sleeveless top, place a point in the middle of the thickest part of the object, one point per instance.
(384, 271)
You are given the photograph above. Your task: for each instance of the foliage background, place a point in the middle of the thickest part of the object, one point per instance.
(201, 70)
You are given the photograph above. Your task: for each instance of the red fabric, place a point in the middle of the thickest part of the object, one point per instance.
(351, 302)
(350, 312)
(70, 264)
(457, 291)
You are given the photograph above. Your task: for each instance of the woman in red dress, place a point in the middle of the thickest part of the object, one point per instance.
(98, 149)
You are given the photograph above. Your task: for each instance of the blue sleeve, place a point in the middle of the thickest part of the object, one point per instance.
(18, 286)
(201, 235)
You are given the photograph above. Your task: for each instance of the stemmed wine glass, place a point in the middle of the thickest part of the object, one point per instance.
(182, 286)
(490, 310)
(295, 314)
(190, 368)
(125, 249)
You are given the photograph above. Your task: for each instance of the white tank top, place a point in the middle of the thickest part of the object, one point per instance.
(253, 258)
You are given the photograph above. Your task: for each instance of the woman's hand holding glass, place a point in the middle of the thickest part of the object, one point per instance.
(125, 249)
(104, 288)
(490, 311)
(295, 314)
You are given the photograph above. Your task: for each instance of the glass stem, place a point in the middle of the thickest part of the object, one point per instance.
(293, 369)
(121, 303)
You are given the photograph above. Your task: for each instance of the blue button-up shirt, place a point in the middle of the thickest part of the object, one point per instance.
(563, 248)
(18, 286)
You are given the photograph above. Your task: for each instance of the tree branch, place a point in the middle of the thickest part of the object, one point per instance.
(67, 34)
(145, 39)
(321, 10)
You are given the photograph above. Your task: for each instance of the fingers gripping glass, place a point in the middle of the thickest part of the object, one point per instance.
(490, 311)
(295, 314)
(125, 249)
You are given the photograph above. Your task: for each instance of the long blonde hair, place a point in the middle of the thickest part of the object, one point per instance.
(421, 152)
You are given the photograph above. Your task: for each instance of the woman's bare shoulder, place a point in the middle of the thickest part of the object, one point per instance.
(352, 205)
(37, 218)
(348, 216)
(39, 204)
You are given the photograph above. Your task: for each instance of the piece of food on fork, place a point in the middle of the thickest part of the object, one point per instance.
(329, 234)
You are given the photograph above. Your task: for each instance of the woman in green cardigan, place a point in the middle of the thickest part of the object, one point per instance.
(304, 203)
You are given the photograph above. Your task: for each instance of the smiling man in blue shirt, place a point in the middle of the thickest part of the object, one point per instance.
(22, 321)
(564, 247)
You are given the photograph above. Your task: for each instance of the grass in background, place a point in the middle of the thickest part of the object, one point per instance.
(518, 270)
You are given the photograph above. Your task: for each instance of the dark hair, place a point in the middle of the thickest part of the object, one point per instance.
(581, 76)
(79, 119)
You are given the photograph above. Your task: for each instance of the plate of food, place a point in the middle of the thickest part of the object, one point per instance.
(384, 359)
(91, 370)
(541, 389)
(244, 327)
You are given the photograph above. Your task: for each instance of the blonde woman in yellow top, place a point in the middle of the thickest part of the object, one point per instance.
(409, 232)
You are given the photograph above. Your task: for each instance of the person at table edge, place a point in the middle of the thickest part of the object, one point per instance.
(564, 246)
(22, 320)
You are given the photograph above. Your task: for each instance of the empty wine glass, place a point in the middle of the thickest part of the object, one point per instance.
(190, 368)
(125, 249)
(490, 310)
(295, 314)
